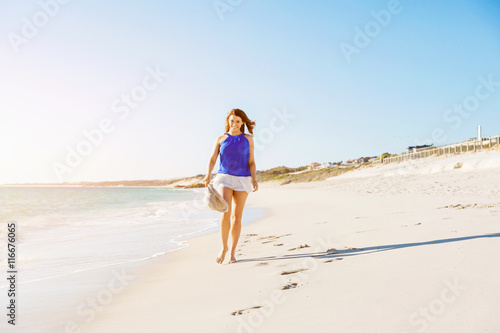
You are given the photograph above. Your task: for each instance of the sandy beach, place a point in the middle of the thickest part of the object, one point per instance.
(397, 248)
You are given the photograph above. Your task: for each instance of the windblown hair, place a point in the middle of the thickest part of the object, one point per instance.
(237, 112)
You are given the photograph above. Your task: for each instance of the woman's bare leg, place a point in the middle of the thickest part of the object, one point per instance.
(225, 223)
(239, 198)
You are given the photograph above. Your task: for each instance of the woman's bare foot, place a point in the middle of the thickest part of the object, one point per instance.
(233, 259)
(222, 254)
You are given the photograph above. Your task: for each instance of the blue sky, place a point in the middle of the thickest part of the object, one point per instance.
(421, 72)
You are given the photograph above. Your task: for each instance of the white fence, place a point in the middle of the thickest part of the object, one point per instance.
(455, 148)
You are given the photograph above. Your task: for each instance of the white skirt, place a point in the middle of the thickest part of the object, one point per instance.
(237, 183)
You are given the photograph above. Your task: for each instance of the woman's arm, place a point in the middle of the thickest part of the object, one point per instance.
(251, 163)
(211, 162)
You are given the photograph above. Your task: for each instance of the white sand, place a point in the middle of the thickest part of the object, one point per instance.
(399, 261)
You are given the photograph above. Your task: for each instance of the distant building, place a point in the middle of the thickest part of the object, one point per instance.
(314, 166)
(351, 162)
(363, 159)
(360, 160)
(317, 166)
(326, 165)
(416, 149)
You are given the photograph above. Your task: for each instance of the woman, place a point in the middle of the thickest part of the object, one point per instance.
(236, 177)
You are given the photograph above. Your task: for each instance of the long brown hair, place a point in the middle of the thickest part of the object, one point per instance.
(237, 112)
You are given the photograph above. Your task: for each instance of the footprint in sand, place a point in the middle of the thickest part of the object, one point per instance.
(270, 239)
(299, 247)
(475, 205)
(294, 271)
(333, 260)
(290, 286)
(328, 252)
(240, 312)
(335, 251)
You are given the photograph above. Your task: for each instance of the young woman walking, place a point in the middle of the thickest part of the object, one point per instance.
(236, 177)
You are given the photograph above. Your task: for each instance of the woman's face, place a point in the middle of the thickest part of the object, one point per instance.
(235, 123)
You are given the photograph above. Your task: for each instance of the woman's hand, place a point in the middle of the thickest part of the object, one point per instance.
(255, 185)
(206, 180)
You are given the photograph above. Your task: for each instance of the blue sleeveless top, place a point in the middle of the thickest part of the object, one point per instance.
(234, 154)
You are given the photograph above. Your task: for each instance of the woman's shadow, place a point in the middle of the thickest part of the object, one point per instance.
(334, 253)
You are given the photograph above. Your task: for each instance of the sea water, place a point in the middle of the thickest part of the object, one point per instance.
(64, 231)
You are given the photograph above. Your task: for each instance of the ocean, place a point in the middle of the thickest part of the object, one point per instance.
(63, 231)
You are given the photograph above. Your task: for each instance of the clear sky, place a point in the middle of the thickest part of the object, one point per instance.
(118, 90)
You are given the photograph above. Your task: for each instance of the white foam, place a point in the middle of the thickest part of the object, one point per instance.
(93, 228)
